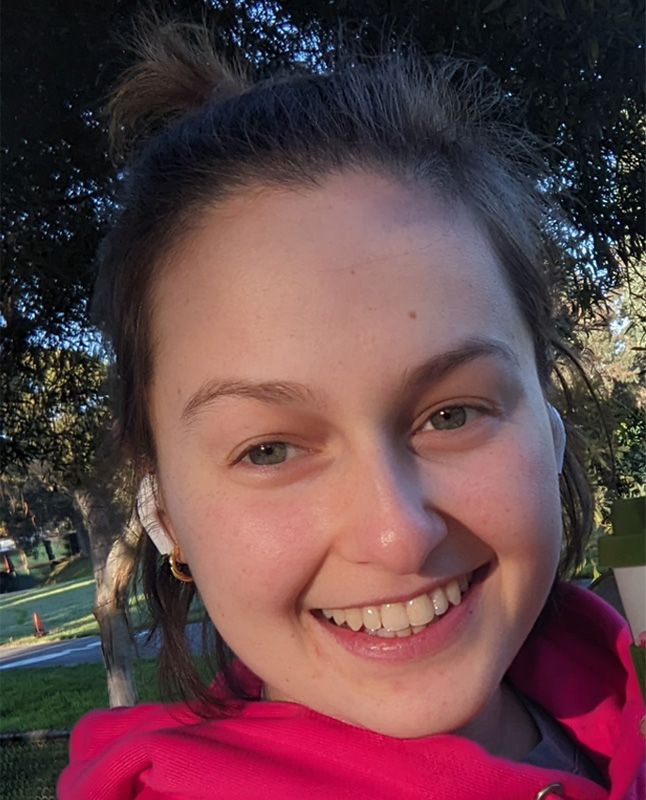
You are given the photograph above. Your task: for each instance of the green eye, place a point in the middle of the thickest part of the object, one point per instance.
(267, 454)
(447, 419)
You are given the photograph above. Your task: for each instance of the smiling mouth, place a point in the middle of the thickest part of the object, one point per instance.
(408, 618)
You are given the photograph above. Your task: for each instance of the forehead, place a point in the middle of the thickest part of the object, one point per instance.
(275, 278)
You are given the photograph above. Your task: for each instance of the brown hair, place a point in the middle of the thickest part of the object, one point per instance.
(197, 130)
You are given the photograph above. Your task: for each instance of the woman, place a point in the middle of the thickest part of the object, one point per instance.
(328, 302)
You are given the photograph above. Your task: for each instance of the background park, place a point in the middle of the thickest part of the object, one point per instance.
(66, 537)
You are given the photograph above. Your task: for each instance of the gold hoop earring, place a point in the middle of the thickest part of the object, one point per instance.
(178, 568)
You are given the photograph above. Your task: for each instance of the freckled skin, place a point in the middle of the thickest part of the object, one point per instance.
(319, 287)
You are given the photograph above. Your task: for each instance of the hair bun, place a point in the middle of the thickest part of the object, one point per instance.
(178, 69)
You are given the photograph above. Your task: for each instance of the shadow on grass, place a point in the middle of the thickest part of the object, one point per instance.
(71, 570)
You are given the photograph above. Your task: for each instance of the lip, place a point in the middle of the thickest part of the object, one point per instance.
(433, 639)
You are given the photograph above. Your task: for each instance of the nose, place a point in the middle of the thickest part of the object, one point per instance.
(387, 517)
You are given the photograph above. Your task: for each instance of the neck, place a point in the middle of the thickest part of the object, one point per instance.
(504, 727)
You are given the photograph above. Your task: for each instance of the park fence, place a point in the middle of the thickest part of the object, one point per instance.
(30, 763)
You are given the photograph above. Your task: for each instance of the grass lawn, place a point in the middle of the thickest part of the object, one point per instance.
(40, 698)
(64, 603)
(51, 698)
(65, 610)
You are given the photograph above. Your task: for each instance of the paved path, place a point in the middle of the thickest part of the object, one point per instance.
(78, 651)
(70, 651)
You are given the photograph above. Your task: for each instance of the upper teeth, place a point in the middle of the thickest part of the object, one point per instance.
(401, 619)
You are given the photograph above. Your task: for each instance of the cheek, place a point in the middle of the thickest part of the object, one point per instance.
(249, 548)
(513, 500)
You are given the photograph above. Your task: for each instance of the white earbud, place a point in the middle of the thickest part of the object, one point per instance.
(148, 514)
(558, 434)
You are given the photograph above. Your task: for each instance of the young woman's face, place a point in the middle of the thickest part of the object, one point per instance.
(348, 418)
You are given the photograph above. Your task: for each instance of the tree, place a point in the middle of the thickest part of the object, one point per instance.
(614, 353)
(32, 507)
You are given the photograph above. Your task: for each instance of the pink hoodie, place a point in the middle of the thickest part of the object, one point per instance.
(577, 667)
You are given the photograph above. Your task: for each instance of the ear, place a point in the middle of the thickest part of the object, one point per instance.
(149, 516)
(558, 435)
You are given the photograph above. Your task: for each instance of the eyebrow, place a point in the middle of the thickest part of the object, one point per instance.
(289, 393)
(276, 392)
(437, 367)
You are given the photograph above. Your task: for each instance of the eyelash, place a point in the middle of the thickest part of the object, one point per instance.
(471, 412)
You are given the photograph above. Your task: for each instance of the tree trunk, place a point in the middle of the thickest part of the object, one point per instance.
(112, 562)
(83, 538)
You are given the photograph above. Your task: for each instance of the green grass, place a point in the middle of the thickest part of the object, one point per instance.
(63, 600)
(54, 698)
(51, 698)
(39, 698)
(65, 610)
(64, 606)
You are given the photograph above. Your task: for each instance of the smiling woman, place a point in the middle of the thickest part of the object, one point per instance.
(334, 346)
(434, 425)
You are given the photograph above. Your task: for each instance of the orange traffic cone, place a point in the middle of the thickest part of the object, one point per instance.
(39, 628)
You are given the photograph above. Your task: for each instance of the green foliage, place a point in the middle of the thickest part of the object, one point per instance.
(58, 65)
(613, 352)
(54, 419)
(54, 411)
(56, 177)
